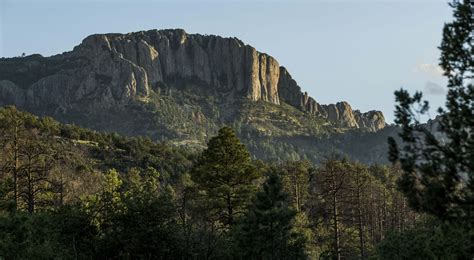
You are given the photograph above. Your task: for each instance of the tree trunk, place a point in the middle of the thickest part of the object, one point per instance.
(15, 168)
(335, 220)
(361, 227)
(31, 194)
(230, 210)
(297, 193)
(336, 228)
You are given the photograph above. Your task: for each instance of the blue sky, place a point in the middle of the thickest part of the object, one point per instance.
(359, 51)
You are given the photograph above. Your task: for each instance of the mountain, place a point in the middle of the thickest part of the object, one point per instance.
(180, 88)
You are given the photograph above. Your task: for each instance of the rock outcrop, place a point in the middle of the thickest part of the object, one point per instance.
(11, 93)
(168, 56)
(109, 70)
(341, 113)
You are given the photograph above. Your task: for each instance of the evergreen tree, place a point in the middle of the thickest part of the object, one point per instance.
(13, 134)
(146, 227)
(226, 175)
(428, 239)
(107, 203)
(266, 230)
(332, 186)
(438, 172)
(27, 158)
(296, 177)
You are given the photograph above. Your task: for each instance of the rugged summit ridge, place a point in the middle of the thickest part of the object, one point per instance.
(108, 70)
(168, 56)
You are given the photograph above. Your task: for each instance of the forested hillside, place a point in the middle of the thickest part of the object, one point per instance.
(68, 192)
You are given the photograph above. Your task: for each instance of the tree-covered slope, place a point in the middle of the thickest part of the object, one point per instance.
(67, 192)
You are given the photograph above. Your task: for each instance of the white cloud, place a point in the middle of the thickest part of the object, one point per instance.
(432, 69)
(434, 89)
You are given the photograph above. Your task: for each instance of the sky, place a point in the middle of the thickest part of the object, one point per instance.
(358, 51)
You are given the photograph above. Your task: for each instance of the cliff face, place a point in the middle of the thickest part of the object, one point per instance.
(109, 70)
(222, 64)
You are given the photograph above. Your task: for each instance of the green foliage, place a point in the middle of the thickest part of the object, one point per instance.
(266, 230)
(296, 177)
(27, 155)
(107, 202)
(109, 196)
(78, 213)
(57, 234)
(268, 119)
(142, 223)
(226, 175)
(429, 239)
(438, 167)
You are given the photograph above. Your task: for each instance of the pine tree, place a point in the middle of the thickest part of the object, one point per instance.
(296, 177)
(27, 157)
(226, 175)
(438, 173)
(265, 232)
(13, 133)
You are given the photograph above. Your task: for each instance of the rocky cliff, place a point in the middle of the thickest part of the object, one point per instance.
(109, 70)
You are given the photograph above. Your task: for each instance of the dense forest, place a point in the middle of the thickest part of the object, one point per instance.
(68, 192)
